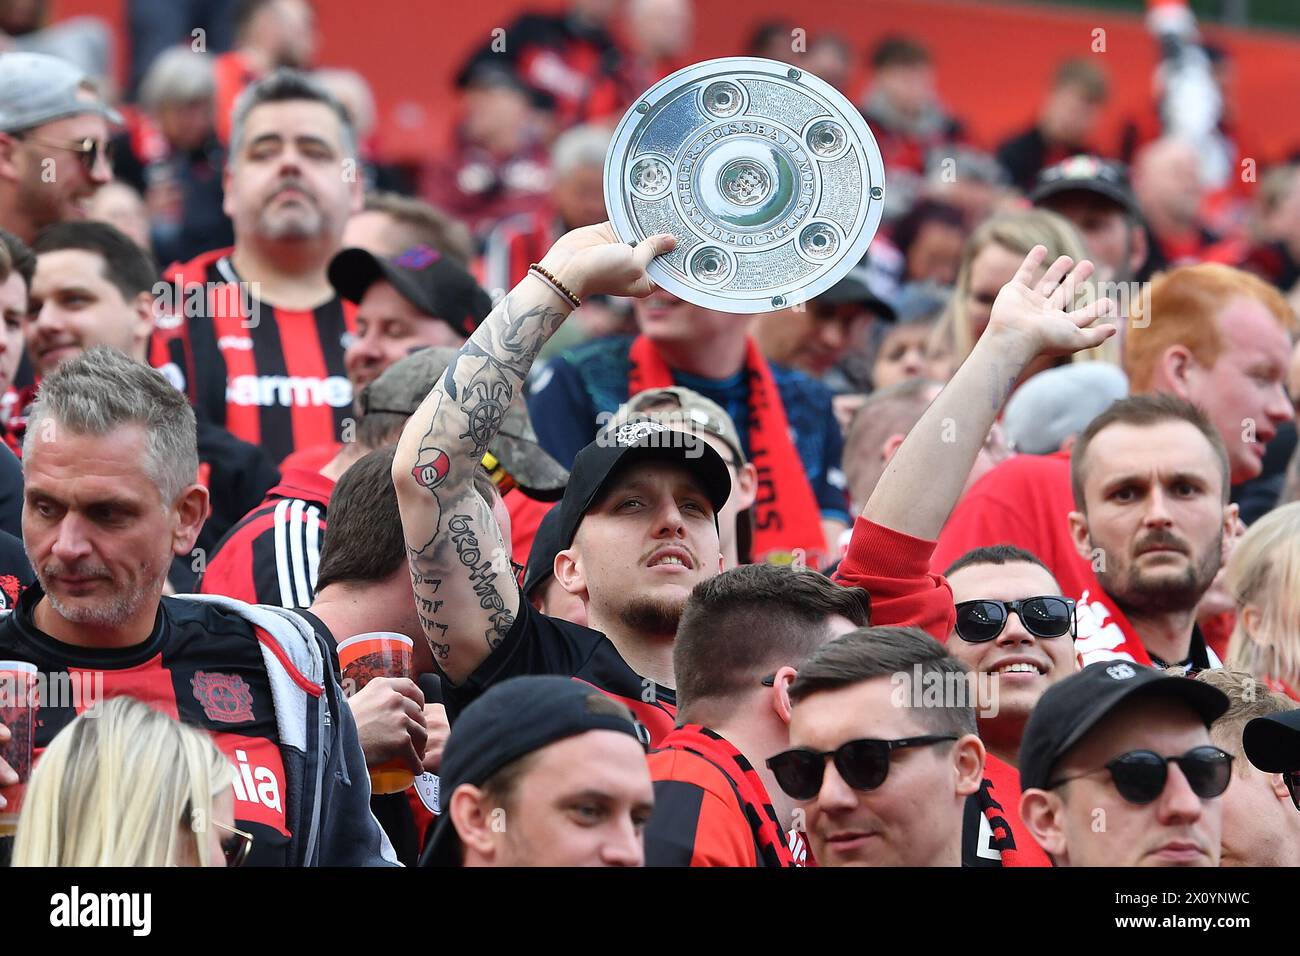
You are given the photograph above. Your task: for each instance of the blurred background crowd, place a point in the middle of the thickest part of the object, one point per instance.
(1155, 139)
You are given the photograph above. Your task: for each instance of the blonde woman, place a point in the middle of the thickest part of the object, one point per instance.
(126, 785)
(993, 252)
(1263, 578)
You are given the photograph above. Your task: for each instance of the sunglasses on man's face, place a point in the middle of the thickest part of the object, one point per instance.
(862, 764)
(1292, 780)
(1046, 616)
(1140, 775)
(89, 150)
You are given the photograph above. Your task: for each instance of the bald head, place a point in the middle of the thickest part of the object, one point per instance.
(1167, 182)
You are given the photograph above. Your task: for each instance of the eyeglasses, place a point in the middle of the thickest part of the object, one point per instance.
(90, 150)
(236, 846)
(1047, 616)
(1140, 775)
(1292, 780)
(863, 764)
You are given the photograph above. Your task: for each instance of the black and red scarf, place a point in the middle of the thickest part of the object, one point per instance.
(769, 835)
(786, 516)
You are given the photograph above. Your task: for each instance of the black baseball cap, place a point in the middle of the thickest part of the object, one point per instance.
(1272, 743)
(541, 557)
(1067, 711)
(511, 720)
(630, 442)
(1088, 174)
(853, 291)
(432, 282)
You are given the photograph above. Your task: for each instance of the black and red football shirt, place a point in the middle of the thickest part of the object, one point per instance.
(711, 806)
(271, 556)
(201, 666)
(537, 644)
(273, 377)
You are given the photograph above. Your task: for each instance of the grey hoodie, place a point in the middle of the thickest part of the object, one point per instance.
(327, 804)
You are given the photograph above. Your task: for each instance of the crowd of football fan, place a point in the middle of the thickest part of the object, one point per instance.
(996, 539)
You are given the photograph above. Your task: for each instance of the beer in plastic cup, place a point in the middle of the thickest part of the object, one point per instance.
(18, 713)
(367, 656)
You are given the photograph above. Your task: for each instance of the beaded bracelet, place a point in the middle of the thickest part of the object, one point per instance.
(556, 284)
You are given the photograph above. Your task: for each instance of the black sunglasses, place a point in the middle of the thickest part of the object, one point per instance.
(1292, 780)
(89, 149)
(1046, 616)
(1140, 775)
(863, 764)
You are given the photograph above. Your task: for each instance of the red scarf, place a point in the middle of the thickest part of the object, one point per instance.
(769, 836)
(786, 515)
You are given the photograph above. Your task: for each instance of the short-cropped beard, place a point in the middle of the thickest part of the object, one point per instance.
(293, 225)
(111, 613)
(653, 617)
(1137, 595)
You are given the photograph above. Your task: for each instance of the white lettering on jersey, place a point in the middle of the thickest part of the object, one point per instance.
(239, 343)
(256, 784)
(285, 390)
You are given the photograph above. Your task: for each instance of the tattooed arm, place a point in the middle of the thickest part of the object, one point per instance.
(465, 592)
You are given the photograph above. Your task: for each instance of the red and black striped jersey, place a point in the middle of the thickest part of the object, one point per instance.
(711, 807)
(273, 377)
(272, 554)
(201, 666)
(537, 644)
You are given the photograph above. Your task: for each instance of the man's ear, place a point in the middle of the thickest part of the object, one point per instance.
(472, 819)
(1043, 813)
(746, 486)
(9, 158)
(781, 693)
(968, 760)
(227, 195)
(1231, 523)
(568, 571)
(1138, 248)
(192, 509)
(890, 447)
(1079, 534)
(357, 190)
(1280, 791)
(1177, 371)
(142, 305)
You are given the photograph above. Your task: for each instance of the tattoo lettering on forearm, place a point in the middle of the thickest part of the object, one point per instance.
(440, 650)
(482, 576)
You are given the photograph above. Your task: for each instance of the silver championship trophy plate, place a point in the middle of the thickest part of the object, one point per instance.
(769, 178)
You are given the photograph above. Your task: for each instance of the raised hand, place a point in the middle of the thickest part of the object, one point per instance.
(594, 261)
(1032, 317)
